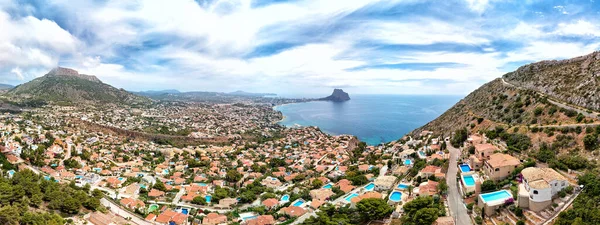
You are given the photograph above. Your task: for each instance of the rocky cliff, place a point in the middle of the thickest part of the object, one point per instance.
(338, 95)
(575, 81)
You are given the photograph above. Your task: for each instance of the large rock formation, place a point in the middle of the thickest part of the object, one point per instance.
(338, 95)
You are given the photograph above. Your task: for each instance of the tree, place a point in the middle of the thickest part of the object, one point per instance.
(459, 137)
(590, 141)
(472, 150)
(488, 185)
(442, 187)
(160, 186)
(233, 176)
(421, 211)
(373, 209)
(316, 183)
(71, 205)
(426, 216)
(9, 215)
(199, 200)
(410, 189)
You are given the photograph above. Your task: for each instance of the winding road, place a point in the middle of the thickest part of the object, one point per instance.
(455, 203)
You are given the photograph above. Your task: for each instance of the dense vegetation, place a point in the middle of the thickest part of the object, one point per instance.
(27, 191)
(423, 211)
(585, 208)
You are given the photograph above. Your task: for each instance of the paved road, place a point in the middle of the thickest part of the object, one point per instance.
(124, 213)
(455, 203)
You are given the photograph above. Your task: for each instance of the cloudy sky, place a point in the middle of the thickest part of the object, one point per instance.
(292, 47)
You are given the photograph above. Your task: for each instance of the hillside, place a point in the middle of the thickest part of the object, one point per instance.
(67, 86)
(575, 81)
(532, 101)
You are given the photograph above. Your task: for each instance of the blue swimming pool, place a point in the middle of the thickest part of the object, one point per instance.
(407, 162)
(469, 180)
(184, 211)
(285, 198)
(396, 196)
(208, 198)
(465, 168)
(202, 184)
(402, 186)
(497, 195)
(328, 186)
(298, 203)
(350, 197)
(422, 154)
(370, 187)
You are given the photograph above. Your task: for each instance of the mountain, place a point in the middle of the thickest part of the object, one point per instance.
(67, 86)
(530, 96)
(546, 110)
(151, 93)
(338, 95)
(4, 87)
(250, 94)
(575, 81)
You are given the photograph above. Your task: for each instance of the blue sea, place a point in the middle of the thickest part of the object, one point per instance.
(374, 119)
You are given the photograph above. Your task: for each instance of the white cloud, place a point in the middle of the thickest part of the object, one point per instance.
(18, 72)
(561, 9)
(478, 6)
(31, 42)
(419, 31)
(579, 28)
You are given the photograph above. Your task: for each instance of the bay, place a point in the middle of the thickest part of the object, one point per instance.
(373, 119)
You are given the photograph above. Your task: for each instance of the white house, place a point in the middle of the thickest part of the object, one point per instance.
(539, 187)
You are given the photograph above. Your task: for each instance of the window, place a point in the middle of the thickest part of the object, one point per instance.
(497, 169)
(535, 192)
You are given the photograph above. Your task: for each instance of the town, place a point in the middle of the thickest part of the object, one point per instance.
(287, 176)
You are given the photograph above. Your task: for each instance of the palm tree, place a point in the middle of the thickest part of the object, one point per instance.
(410, 189)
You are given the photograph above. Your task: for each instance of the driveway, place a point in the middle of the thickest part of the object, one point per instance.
(455, 203)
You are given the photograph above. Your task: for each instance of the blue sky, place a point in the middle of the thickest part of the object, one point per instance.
(292, 47)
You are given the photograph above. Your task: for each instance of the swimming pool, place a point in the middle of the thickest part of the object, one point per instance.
(299, 203)
(396, 196)
(370, 187)
(350, 197)
(422, 154)
(285, 198)
(499, 196)
(152, 207)
(407, 162)
(121, 178)
(202, 184)
(208, 198)
(328, 186)
(469, 180)
(247, 216)
(465, 168)
(184, 211)
(402, 186)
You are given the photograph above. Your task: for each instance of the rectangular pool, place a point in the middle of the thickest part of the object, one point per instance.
(299, 203)
(496, 196)
(465, 168)
(370, 187)
(350, 197)
(402, 186)
(469, 180)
